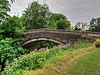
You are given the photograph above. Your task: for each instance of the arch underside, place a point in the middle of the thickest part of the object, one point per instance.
(34, 41)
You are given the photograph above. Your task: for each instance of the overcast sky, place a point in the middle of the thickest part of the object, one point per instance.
(75, 10)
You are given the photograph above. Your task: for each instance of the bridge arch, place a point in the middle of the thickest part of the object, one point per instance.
(33, 41)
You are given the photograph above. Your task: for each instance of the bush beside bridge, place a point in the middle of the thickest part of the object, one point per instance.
(97, 43)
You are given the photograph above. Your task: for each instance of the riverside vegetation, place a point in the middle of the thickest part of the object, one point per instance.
(38, 60)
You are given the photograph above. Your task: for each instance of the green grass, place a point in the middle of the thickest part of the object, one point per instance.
(86, 65)
(84, 61)
(58, 64)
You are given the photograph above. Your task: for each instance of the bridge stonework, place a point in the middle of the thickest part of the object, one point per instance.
(58, 36)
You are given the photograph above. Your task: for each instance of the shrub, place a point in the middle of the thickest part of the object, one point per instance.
(97, 43)
(9, 49)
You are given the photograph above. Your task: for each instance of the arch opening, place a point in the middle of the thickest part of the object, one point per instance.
(40, 43)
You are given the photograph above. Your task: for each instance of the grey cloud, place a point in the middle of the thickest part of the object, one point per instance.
(75, 10)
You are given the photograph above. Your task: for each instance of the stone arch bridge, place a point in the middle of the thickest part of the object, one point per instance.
(59, 37)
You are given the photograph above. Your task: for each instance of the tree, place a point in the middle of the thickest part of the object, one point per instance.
(12, 27)
(95, 24)
(36, 16)
(76, 28)
(63, 24)
(81, 26)
(4, 8)
(56, 20)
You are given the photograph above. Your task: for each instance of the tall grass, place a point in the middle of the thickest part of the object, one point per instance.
(37, 60)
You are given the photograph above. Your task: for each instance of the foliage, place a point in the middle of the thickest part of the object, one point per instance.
(72, 27)
(54, 21)
(9, 49)
(4, 8)
(76, 28)
(36, 16)
(37, 60)
(44, 44)
(97, 43)
(95, 24)
(80, 26)
(9, 27)
(63, 24)
(12, 27)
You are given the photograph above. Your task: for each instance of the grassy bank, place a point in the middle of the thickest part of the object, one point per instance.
(86, 65)
(52, 61)
(58, 65)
